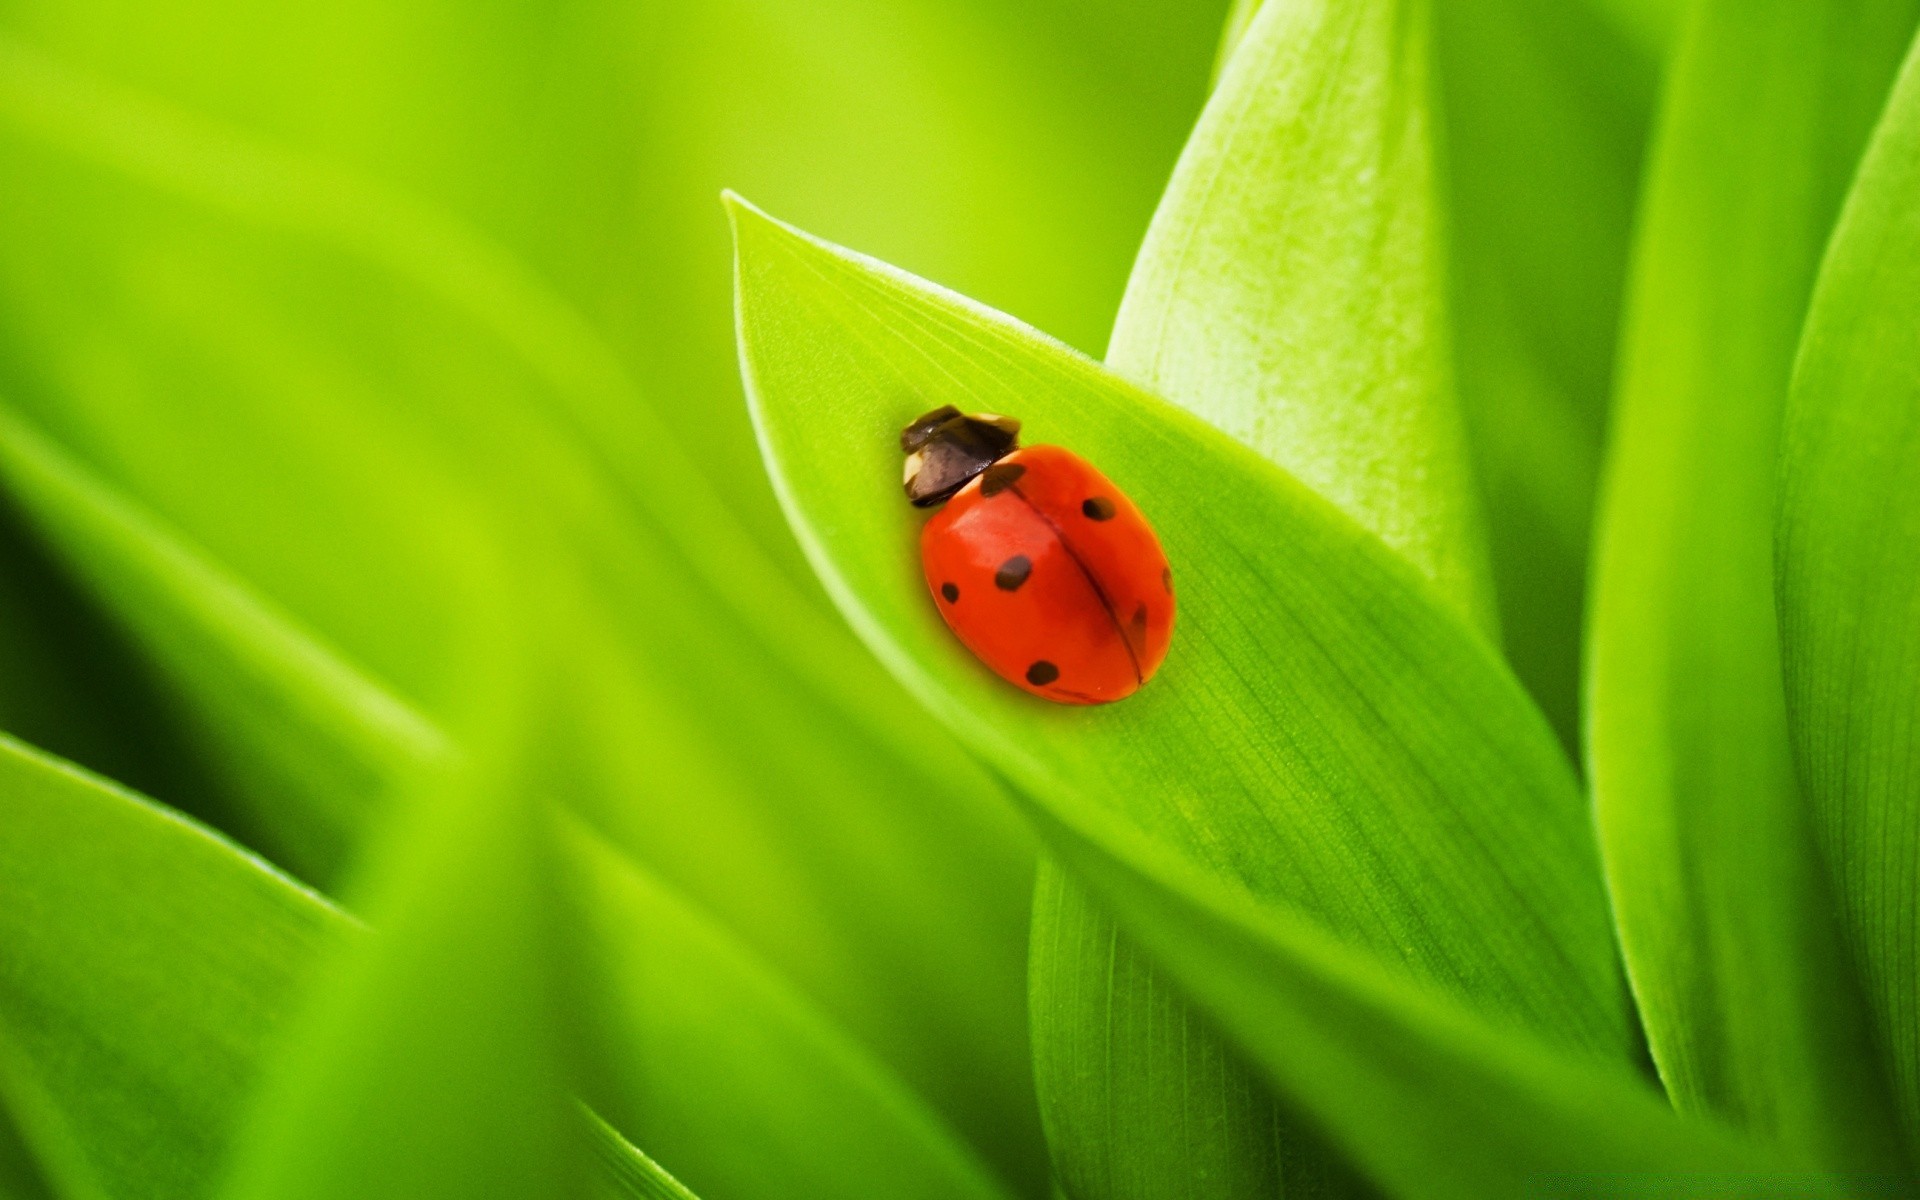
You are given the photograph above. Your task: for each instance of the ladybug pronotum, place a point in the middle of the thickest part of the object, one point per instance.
(1037, 562)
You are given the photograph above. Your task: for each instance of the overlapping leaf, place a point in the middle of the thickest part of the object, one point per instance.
(859, 1133)
(312, 317)
(1724, 915)
(137, 1033)
(1546, 112)
(300, 729)
(1314, 770)
(708, 1123)
(1848, 541)
(436, 1056)
(1290, 291)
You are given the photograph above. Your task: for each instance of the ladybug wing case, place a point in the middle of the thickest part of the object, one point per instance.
(1052, 577)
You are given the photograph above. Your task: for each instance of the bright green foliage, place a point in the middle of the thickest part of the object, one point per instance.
(1724, 915)
(376, 491)
(681, 623)
(832, 342)
(1848, 540)
(719, 1107)
(135, 1028)
(1546, 117)
(302, 730)
(1294, 257)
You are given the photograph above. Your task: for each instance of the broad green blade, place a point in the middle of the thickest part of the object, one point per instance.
(375, 388)
(133, 1036)
(1291, 292)
(293, 725)
(1327, 737)
(1240, 16)
(1743, 985)
(1429, 1097)
(145, 968)
(69, 682)
(435, 1058)
(1653, 25)
(1141, 1093)
(804, 1112)
(1546, 117)
(1847, 541)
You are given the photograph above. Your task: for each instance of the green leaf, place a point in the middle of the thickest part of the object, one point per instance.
(19, 1177)
(1365, 1052)
(1240, 16)
(133, 1030)
(437, 1056)
(1294, 259)
(1743, 985)
(625, 1171)
(1327, 736)
(135, 1034)
(292, 725)
(375, 387)
(1848, 535)
(686, 1009)
(1654, 25)
(1546, 115)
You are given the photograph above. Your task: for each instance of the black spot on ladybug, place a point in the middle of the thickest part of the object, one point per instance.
(951, 592)
(1097, 508)
(1000, 477)
(1042, 673)
(1013, 573)
(1139, 622)
(1166, 579)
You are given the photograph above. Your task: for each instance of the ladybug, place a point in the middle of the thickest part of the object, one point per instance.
(1037, 562)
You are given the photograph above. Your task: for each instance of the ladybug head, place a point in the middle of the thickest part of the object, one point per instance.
(946, 447)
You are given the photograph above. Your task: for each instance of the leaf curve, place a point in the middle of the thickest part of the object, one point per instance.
(350, 349)
(1328, 656)
(299, 722)
(1725, 919)
(1307, 317)
(1847, 530)
(136, 1033)
(1291, 290)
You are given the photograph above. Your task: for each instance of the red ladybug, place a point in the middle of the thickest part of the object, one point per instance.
(1038, 563)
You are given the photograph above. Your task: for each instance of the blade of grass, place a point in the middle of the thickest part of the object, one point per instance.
(1726, 922)
(135, 1035)
(1295, 259)
(1546, 115)
(436, 1056)
(19, 1176)
(131, 1031)
(1290, 291)
(299, 727)
(625, 1171)
(1365, 1051)
(867, 1137)
(409, 352)
(1847, 530)
(1328, 735)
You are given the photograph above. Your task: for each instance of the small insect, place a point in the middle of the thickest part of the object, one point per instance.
(1038, 563)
